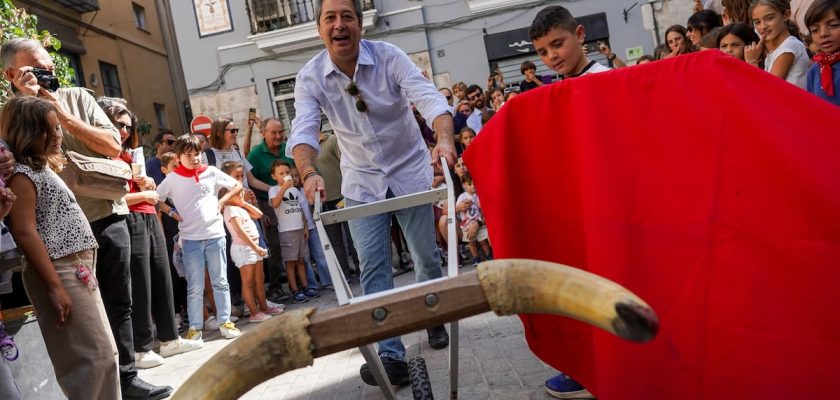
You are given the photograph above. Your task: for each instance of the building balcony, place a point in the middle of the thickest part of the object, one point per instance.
(289, 25)
(271, 15)
(80, 6)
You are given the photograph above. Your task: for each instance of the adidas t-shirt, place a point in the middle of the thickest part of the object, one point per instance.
(289, 214)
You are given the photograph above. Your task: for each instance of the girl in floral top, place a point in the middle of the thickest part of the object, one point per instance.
(59, 269)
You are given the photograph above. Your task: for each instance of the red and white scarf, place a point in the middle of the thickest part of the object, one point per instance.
(824, 61)
(190, 173)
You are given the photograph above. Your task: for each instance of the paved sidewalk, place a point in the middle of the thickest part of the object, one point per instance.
(495, 363)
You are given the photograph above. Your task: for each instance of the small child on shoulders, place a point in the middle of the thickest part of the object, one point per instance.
(245, 251)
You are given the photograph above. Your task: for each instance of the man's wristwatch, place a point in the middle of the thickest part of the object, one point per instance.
(172, 211)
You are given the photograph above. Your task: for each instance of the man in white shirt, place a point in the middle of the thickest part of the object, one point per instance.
(366, 89)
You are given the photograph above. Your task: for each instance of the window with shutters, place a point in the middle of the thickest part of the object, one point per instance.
(284, 102)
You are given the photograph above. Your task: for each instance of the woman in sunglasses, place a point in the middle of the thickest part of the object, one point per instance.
(224, 148)
(151, 282)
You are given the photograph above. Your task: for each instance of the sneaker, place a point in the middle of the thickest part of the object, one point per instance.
(147, 359)
(229, 330)
(397, 371)
(300, 297)
(194, 334)
(563, 386)
(274, 310)
(180, 345)
(328, 286)
(210, 324)
(139, 389)
(234, 318)
(311, 292)
(259, 317)
(438, 337)
(275, 305)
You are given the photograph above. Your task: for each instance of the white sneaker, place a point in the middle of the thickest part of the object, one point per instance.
(147, 359)
(178, 346)
(229, 330)
(210, 324)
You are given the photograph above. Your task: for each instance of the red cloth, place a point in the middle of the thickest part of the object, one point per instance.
(706, 186)
(190, 173)
(825, 61)
(142, 207)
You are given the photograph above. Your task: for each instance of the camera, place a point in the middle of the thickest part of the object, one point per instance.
(46, 79)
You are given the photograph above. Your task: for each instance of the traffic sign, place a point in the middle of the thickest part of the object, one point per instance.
(201, 124)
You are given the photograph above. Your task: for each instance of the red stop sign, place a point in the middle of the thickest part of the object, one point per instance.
(201, 124)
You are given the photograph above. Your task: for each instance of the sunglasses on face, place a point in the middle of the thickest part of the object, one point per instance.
(121, 126)
(474, 97)
(168, 141)
(233, 131)
(353, 90)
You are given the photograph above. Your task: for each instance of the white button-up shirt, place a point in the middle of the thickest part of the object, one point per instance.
(381, 148)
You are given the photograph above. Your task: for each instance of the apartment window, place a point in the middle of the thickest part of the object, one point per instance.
(110, 79)
(139, 16)
(160, 115)
(284, 101)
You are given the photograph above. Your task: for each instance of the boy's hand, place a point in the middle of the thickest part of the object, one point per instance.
(249, 196)
(472, 230)
(61, 303)
(306, 234)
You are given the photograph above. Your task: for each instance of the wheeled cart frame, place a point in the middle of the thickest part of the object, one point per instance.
(417, 366)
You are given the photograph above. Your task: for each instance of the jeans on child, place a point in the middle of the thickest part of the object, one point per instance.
(197, 254)
(316, 253)
(372, 237)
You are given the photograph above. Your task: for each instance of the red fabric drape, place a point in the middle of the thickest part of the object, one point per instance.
(706, 186)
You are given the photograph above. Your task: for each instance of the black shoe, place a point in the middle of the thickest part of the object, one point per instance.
(397, 371)
(438, 338)
(142, 390)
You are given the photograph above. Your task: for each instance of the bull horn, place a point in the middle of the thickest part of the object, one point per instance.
(519, 286)
(293, 339)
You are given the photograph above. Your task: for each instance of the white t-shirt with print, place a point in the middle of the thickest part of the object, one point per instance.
(798, 73)
(248, 224)
(471, 214)
(197, 202)
(289, 214)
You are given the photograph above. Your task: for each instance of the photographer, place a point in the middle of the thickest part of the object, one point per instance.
(88, 131)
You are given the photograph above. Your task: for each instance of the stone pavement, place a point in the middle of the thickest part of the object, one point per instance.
(495, 363)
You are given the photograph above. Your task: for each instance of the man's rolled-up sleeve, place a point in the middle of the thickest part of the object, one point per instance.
(419, 89)
(307, 122)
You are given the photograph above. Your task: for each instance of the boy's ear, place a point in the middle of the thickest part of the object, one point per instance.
(580, 32)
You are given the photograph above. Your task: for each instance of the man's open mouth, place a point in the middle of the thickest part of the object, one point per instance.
(340, 39)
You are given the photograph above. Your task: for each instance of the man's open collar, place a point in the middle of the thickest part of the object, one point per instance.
(365, 58)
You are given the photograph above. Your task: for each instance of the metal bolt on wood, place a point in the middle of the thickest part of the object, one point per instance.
(431, 300)
(379, 314)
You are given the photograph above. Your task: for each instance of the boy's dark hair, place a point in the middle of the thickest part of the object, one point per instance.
(187, 142)
(819, 9)
(166, 158)
(739, 29)
(526, 65)
(467, 129)
(646, 57)
(277, 163)
(229, 166)
(549, 18)
(23, 124)
(466, 178)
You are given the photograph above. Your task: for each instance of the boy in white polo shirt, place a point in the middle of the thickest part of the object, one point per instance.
(193, 187)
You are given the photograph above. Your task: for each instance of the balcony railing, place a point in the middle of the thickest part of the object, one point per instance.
(81, 6)
(269, 15)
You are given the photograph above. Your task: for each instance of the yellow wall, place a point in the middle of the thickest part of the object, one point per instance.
(139, 54)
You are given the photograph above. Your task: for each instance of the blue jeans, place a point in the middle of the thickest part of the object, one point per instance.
(197, 254)
(372, 237)
(316, 253)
